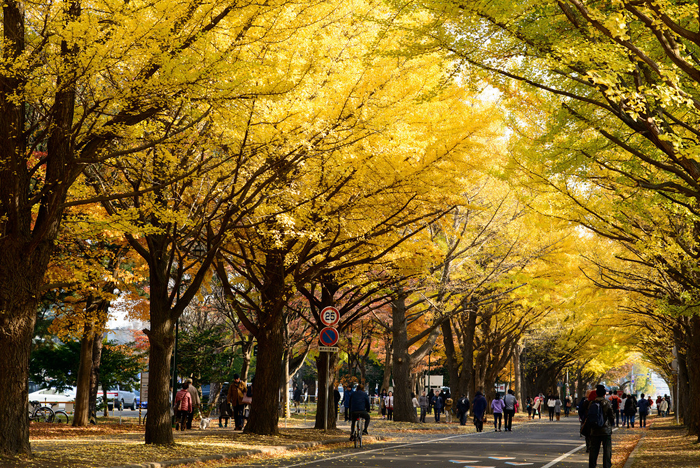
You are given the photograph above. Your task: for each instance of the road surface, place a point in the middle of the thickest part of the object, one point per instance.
(539, 444)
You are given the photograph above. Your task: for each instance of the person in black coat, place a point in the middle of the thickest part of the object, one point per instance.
(463, 409)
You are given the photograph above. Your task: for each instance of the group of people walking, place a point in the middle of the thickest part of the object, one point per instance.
(552, 403)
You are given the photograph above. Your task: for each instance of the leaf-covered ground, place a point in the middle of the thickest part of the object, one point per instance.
(667, 445)
(112, 444)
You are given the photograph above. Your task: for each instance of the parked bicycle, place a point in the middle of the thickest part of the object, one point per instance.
(42, 413)
(39, 413)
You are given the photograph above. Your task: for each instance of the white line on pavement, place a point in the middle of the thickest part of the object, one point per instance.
(353, 453)
(554, 462)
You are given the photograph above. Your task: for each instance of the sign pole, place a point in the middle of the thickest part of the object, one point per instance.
(325, 407)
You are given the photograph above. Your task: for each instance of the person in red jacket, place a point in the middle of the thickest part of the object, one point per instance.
(183, 407)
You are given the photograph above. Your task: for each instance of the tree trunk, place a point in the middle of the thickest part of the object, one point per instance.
(81, 416)
(693, 414)
(325, 390)
(16, 328)
(456, 387)
(95, 375)
(285, 385)
(161, 337)
(517, 378)
(469, 330)
(264, 414)
(403, 408)
(386, 379)
(246, 351)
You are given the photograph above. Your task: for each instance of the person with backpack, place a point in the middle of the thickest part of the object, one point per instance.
(511, 403)
(599, 422)
(630, 409)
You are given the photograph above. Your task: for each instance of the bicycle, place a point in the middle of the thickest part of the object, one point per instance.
(40, 413)
(357, 432)
(59, 417)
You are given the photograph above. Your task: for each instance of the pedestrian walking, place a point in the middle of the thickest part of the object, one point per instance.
(423, 403)
(414, 402)
(536, 407)
(463, 409)
(437, 405)
(479, 411)
(623, 414)
(567, 406)
(599, 422)
(182, 406)
(497, 407)
(389, 401)
(630, 409)
(236, 391)
(663, 408)
(448, 409)
(225, 411)
(551, 403)
(582, 414)
(528, 406)
(643, 405)
(616, 401)
(510, 404)
(196, 402)
(557, 408)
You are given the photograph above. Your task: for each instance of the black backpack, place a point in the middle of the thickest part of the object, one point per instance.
(595, 418)
(615, 404)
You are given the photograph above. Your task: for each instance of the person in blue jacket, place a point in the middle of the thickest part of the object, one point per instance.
(359, 407)
(347, 394)
(643, 406)
(479, 411)
(438, 404)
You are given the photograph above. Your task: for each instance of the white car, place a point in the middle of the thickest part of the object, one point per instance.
(51, 397)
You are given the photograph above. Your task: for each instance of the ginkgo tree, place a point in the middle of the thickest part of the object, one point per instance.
(78, 83)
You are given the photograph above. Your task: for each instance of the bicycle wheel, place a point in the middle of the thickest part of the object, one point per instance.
(60, 417)
(356, 438)
(43, 414)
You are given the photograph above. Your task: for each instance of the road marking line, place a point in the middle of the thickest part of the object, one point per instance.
(353, 453)
(557, 460)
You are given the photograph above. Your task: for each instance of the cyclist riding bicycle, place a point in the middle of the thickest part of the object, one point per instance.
(359, 408)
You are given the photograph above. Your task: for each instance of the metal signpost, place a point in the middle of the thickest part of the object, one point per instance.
(330, 317)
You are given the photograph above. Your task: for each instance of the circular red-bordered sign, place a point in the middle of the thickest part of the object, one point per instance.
(330, 316)
(328, 336)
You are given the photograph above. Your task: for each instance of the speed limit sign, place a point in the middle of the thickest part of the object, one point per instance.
(330, 316)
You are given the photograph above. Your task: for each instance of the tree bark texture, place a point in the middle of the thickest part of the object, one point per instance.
(95, 376)
(325, 393)
(161, 337)
(81, 416)
(401, 370)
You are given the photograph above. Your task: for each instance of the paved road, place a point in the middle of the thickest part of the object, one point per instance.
(541, 444)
